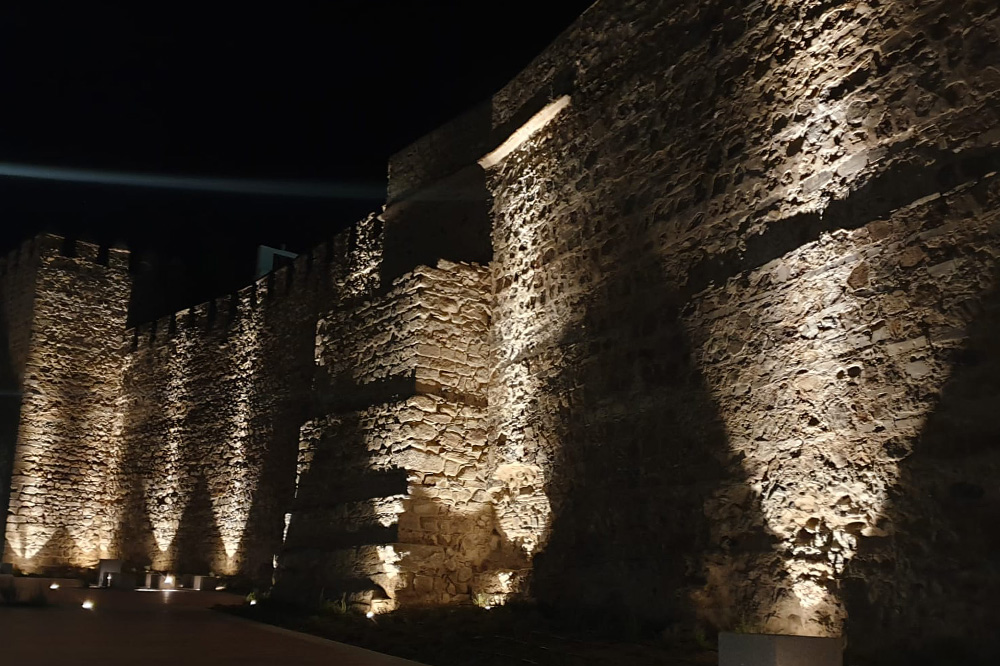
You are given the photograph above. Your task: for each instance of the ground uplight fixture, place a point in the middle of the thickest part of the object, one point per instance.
(370, 614)
(88, 605)
(253, 602)
(54, 586)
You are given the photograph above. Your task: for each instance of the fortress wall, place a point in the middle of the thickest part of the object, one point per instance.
(214, 398)
(735, 283)
(391, 503)
(70, 378)
(18, 271)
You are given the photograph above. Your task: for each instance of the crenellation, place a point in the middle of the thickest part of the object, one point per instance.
(86, 251)
(163, 329)
(118, 259)
(44, 246)
(144, 335)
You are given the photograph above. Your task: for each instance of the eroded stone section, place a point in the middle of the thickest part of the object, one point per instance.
(391, 503)
(423, 331)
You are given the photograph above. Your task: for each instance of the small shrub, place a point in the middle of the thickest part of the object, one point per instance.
(337, 607)
(702, 641)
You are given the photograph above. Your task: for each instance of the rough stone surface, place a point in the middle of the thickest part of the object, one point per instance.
(733, 363)
(393, 480)
(68, 315)
(735, 280)
(212, 403)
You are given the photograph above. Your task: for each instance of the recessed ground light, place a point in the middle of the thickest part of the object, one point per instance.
(88, 605)
(54, 586)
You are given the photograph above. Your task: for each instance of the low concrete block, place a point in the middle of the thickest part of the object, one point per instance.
(201, 583)
(123, 581)
(104, 570)
(772, 650)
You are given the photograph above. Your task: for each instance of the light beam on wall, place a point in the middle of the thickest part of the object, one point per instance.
(166, 495)
(232, 507)
(31, 523)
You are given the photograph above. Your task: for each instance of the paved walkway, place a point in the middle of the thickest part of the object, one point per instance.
(152, 628)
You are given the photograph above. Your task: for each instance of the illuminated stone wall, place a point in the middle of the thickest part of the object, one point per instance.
(17, 294)
(67, 317)
(733, 362)
(391, 503)
(213, 401)
(734, 281)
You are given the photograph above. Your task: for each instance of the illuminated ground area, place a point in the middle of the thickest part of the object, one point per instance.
(159, 628)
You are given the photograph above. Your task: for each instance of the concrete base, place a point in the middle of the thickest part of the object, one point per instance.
(104, 570)
(203, 583)
(123, 581)
(770, 650)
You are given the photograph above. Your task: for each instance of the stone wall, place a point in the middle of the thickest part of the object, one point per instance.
(67, 351)
(651, 457)
(391, 503)
(213, 400)
(17, 294)
(732, 364)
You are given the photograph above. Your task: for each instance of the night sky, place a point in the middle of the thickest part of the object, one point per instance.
(318, 92)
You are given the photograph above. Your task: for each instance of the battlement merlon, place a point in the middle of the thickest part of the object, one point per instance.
(49, 246)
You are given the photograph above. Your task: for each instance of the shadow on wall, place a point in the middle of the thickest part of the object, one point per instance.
(331, 548)
(134, 540)
(10, 412)
(198, 542)
(273, 494)
(941, 554)
(644, 452)
(453, 553)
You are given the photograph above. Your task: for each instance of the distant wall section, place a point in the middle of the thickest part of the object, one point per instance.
(69, 361)
(213, 400)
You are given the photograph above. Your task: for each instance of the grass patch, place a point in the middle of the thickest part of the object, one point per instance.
(9, 597)
(459, 636)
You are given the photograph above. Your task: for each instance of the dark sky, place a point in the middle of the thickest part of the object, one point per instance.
(313, 91)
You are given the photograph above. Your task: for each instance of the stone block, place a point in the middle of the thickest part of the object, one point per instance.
(773, 650)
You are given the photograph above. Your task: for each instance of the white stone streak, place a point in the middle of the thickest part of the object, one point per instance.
(523, 133)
